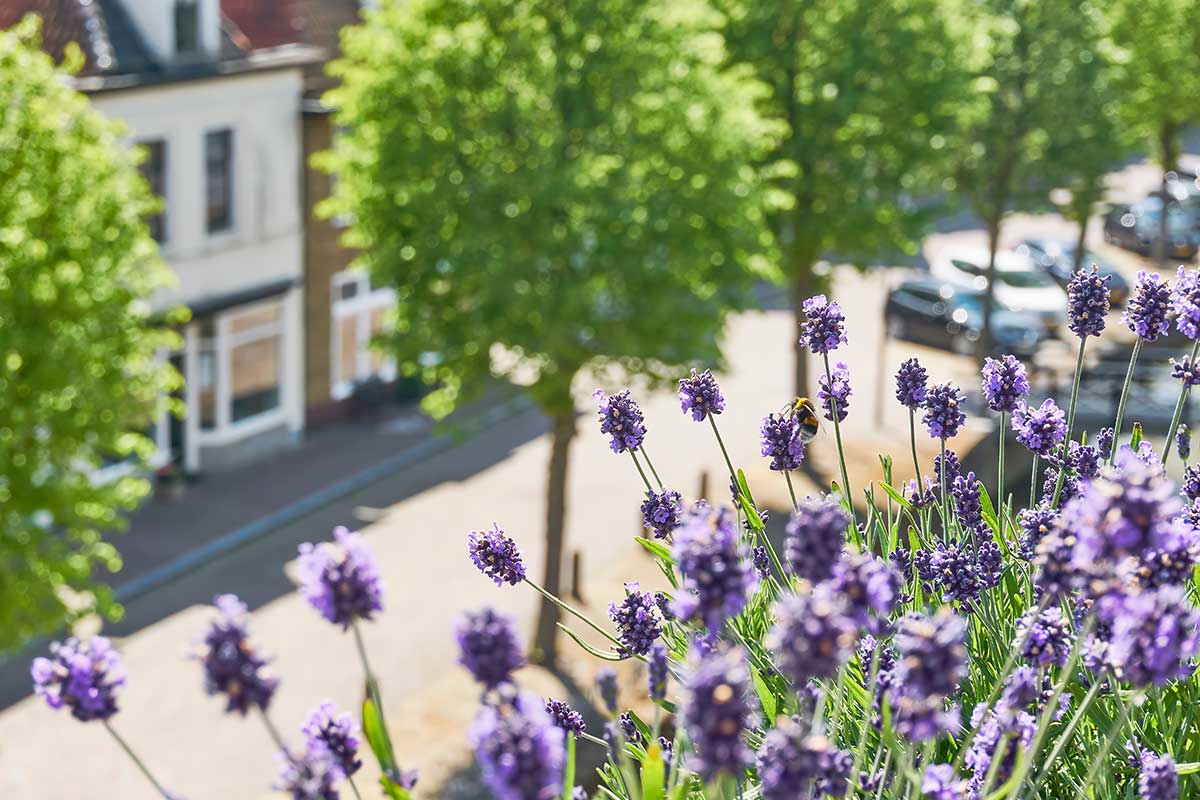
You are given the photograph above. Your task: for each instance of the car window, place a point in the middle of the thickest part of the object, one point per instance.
(1020, 279)
(966, 266)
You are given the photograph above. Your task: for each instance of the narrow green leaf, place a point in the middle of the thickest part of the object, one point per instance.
(765, 696)
(655, 548)
(1136, 439)
(654, 774)
(393, 789)
(569, 769)
(892, 493)
(372, 725)
(592, 650)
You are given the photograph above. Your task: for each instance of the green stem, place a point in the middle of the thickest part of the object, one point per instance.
(574, 612)
(1033, 482)
(1183, 393)
(1001, 511)
(837, 433)
(945, 497)
(912, 442)
(133, 757)
(649, 488)
(787, 476)
(650, 464)
(353, 788)
(732, 472)
(1133, 357)
(1062, 467)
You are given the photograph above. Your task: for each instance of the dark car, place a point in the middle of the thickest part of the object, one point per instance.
(1057, 257)
(951, 318)
(1136, 227)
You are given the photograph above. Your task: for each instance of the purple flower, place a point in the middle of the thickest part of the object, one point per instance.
(989, 561)
(920, 497)
(566, 717)
(621, 419)
(1052, 556)
(488, 646)
(992, 727)
(1104, 441)
(656, 667)
(637, 620)
(762, 561)
(911, 381)
(496, 556)
(1040, 429)
(1046, 636)
(870, 587)
(519, 749)
(340, 579)
(943, 411)
(794, 762)
(1187, 303)
(718, 577)
(941, 783)
(824, 326)
(1174, 565)
(815, 533)
(931, 660)
(308, 776)
(1157, 778)
(1004, 383)
(967, 505)
(629, 728)
(606, 682)
(1186, 371)
(884, 668)
(956, 571)
(1183, 442)
(700, 394)
(781, 442)
(83, 676)
(953, 468)
(335, 736)
(813, 634)
(661, 512)
(1146, 312)
(232, 666)
(834, 389)
(1190, 485)
(1154, 634)
(1125, 511)
(1087, 302)
(716, 711)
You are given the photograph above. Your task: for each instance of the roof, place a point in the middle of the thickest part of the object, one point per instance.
(264, 24)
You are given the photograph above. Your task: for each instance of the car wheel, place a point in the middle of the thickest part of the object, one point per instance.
(896, 329)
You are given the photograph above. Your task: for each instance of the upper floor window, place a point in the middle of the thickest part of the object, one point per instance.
(218, 169)
(154, 170)
(187, 26)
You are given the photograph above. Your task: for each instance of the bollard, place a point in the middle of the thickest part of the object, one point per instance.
(576, 577)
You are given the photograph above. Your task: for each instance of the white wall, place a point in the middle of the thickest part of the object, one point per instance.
(265, 242)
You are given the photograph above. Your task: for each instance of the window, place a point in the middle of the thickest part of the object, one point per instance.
(256, 342)
(218, 169)
(359, 313)
(206, 374)
(154, 170)
(187, 28)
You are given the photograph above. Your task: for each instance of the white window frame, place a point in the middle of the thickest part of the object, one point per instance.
(365, 301)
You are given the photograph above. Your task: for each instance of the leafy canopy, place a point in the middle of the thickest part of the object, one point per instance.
(549, 187)
(78, 373)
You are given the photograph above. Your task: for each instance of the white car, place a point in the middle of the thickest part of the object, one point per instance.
(1020, 285)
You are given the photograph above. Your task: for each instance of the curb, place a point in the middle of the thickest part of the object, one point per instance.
(227, 543)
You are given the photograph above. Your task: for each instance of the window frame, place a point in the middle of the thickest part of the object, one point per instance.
(155, 171)
(365, 301)
(193, 9)
(222, 171)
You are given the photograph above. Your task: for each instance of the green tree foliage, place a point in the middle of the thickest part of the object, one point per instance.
(78, 373)
(1157, 45)
(552, 189)
(869, 92)
(1024, 57)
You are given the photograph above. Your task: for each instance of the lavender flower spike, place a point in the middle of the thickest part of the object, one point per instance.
(488, 646)
(496, 556)
(661, 512)
(621, 419)
(85, 677)
(232, 666)
(1040, 429)
(1183, 442)
(815, 534)
(718, 574)
(824, 327)
(794, 762)
(335, 736)
(566, 717)
(1004, 383)
(813, 634)
(341, 579)
(1157, 778)
(943, 411)
(519, 749)
(700, 394)
(781, 442)
(835, 388)
(1187, 303)
(637, 620)
(717, 713)
(1087, 302)
(1146, 312)
(1186, 372)
(911, 384)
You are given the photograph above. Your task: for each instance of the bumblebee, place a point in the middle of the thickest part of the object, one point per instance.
(806, 414)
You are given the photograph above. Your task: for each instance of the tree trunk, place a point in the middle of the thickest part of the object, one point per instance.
(1082, 240)
(1168, 157)
(989, 292)
(544, 649)
(800, 288)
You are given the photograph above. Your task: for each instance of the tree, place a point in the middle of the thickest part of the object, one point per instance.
(1024, 60)
(79, 377)
(868, 90)
(553, 189)
(1158, 50)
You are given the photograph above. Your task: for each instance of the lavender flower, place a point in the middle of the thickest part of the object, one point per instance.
(1186, 372)
(308, 776)
(1157, 778)
(920, 497)
(716, 711)
(606, 682)
(815, 533)
(519, 749)
(932, 659)
(1046, 636)
(870, 587)
(1183, 442)
(496, 556)
(82, 676)
(911, 381)
(629, 728)
(621, 419)
(1004, 383)
(992, 727)
(989, 562)
(1104, 441)
(1146, 312)
(1040, 429)
(953, 468)
(340, 579)
(661, 512)
(1154, 634)
(1187, 303)
(794, 762)
(700, 394)
(1123, 512)
(781, 442)
(1172, 566)
(566, 717)
(884, 666)
(1190, 485)
(1087, 302)
(637, 621)
(835, 389)
(656, 668)
(813, 634)
(334, 736)
(941, 783)
(718, 577)
(232, 666)
(824, 326)
(967, 504)
(488, 646)
(943, 411)
(762, 561)
(956, 571)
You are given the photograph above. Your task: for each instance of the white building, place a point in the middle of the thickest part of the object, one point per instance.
(221, 123)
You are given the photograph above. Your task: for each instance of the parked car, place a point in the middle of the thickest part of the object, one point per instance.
(1136, 227)
(1020, 285)
(1057, 258)
(951, 318)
